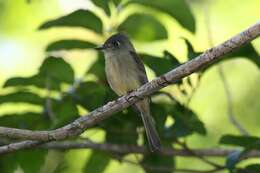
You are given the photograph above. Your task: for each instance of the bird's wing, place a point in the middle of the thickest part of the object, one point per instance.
(142, 74)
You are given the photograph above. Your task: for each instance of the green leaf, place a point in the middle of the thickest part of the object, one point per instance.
(124, 132)
(28, 161)
(25, 159)
(36, 80)
(253, 168)
(186, 122)
(90, 95)
(233, 159)
(248, 142)
(57, 69)
(8, 163)
(143, 27)
(21, 97)
(178, 9)
(27, 120)
(104, 4)
(98, 68)
(64, 111)
(69, 44)
(191, 52)
(160, 65)
(79, 18)
(116, 2)
(97, 162)
(153, 160)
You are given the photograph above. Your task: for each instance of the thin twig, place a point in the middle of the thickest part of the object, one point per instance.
(185, 146)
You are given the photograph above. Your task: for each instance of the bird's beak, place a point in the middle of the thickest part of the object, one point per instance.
(101, 47)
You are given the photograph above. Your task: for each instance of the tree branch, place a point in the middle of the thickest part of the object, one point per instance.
(81, 124)
(125, 149)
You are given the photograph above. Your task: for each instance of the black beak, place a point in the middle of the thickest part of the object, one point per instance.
(101, 47)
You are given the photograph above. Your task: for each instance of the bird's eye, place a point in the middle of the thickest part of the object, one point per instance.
(116, 43)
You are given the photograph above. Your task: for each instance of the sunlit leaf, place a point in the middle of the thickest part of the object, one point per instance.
(104, 4)
(143, 27)
(21, 97)
(69, 44)
(79, 18)
(178, 9)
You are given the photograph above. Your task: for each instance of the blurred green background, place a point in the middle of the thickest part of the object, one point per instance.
(22, 50)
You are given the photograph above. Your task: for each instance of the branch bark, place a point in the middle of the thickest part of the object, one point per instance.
(127, 149)
(81, 124)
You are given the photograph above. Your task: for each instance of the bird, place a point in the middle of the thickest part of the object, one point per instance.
(125, 72)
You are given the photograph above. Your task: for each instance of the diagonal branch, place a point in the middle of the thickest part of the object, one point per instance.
(81, 124)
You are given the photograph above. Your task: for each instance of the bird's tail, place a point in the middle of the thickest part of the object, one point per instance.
(151, 133)
(149, 125)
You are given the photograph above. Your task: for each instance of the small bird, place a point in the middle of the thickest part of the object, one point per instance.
(125, 72)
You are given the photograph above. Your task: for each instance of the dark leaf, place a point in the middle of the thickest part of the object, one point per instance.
(91, 95)
(64, 111)
(8, 163)
(104, 4)
(27, 120)
(97, 162)
(36, 80)
(56, 69)
(253, 168)
(159, 65)
(186, 122)
(152, 161)
(69, 44)
(28, 161)
(191, 52)
(79, 18)
(248, 142)
(98, 68)
(178, 9)
(125, 131)
(143, 27)
(21, 97)
(116, 2)
(25, 159)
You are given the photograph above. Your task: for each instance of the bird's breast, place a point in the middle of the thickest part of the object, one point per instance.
(122, 73)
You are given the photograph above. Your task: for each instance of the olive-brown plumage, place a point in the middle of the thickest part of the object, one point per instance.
(125, 72)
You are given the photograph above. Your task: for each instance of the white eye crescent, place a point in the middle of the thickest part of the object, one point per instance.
(117, 43)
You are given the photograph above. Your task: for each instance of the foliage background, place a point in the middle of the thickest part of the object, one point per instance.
(22, 51)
